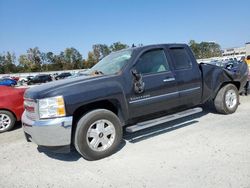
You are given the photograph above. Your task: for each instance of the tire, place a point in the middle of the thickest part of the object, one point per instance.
(98, 134)
(7, 121)
(227, 99)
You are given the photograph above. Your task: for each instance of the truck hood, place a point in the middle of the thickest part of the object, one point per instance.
(61, 87)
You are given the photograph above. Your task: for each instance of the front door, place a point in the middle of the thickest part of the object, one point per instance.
(160, 91)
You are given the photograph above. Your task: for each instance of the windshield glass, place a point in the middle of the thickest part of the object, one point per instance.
(111, 64)
(36, 78)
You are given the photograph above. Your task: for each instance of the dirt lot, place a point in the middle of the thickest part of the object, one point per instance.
(205, 150)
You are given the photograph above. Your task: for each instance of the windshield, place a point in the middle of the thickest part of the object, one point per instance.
(111, 64)
(36, 78)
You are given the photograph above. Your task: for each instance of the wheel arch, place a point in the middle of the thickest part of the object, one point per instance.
(10, 112)
(235, 83)
(110, 104)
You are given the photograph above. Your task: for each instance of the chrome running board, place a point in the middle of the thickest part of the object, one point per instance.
(154, 122)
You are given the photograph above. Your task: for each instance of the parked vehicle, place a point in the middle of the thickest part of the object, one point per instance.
(24, 79)
(29, 78)
(136, 88)
(54, 75)
(11, 107)
(75, 75)
(16, 78)
(63, 75)
(41, 78)
(217, 63)
(232, 65)
(7, 82)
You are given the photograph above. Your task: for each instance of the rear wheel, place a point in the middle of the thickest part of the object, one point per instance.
(7, 121)
(98, 134)
(227, 99)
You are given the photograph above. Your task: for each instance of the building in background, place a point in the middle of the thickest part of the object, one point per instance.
(234, 51)
(247, 48)
(231, 53)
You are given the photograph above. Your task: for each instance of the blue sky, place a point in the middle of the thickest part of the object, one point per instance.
(53, 25)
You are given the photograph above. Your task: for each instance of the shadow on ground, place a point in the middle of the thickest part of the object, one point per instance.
(133, 137)
(73, 155)
(164, 128)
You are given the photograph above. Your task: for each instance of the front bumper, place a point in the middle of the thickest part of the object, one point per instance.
(48, 132)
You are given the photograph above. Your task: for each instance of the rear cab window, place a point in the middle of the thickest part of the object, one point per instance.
(181, 58)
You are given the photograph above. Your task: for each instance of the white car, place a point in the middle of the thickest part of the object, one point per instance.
(24, 79)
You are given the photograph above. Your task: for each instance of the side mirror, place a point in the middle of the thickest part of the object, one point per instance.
(136, 75)
(139, 85)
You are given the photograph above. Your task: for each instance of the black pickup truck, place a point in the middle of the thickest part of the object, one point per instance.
(130, 90)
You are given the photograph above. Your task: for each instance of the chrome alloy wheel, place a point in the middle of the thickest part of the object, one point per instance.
(5, 121)
(101, 135)
(231, 98)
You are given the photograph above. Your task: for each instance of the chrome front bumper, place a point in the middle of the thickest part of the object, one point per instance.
(48, 132)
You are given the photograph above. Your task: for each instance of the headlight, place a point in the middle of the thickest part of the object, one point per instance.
(51, 107)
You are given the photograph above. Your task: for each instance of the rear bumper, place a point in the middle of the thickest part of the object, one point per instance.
(48, 132)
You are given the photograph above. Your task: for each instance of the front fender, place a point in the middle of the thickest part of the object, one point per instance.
(111, 91)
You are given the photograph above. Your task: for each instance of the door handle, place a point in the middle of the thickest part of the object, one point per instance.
(169, 79)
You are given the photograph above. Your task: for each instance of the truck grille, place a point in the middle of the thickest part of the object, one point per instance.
(31, 109)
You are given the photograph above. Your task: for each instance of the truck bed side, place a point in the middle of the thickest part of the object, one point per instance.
(214, 77)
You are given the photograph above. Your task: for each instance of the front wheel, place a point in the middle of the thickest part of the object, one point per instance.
(98, 134)
(227, 99)
(7, 121)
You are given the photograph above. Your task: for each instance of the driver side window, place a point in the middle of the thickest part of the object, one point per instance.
(152, 62)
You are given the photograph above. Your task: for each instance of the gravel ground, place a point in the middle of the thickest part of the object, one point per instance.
(205, 150)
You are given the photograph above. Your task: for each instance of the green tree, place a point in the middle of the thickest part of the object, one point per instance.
(48, 60)
(205, 49)
(118, 46)
(195, 47)
(72, 59)
(91, 61)
(34, 56)
(7, 63)
(100, 51)
(2, 60)
(58, 61)
(24, 64)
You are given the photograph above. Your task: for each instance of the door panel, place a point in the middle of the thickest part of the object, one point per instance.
(160, 91)
(159, 95)
(188, 76)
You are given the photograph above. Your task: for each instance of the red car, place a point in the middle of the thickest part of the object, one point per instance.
(11, 106)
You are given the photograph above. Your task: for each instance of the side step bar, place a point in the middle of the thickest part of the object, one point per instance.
(151, 123)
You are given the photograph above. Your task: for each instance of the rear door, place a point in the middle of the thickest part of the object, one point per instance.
(188, 75)
(160, 92)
